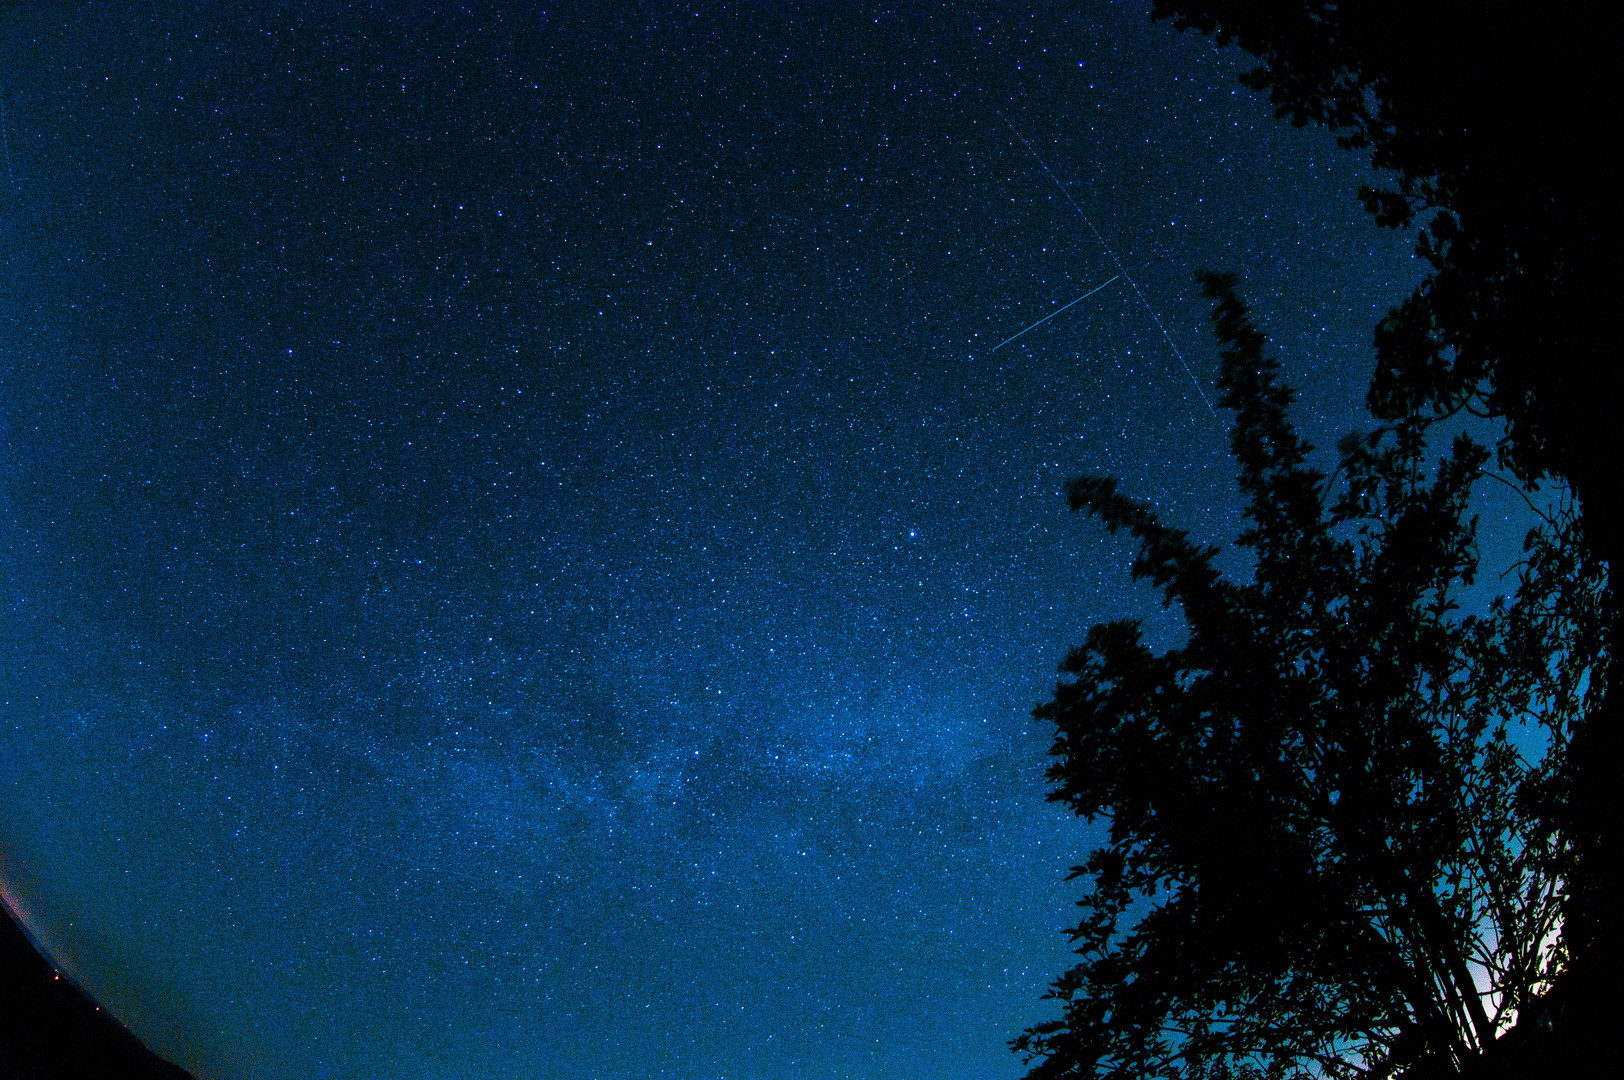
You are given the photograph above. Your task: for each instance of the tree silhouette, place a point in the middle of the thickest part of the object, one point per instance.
(1484, 119)
(1330, 848)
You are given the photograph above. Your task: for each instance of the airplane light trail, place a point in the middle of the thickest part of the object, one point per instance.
(1051, 315)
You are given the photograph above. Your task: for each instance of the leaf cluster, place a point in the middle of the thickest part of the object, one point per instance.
(1328, 852)
(1482, 121)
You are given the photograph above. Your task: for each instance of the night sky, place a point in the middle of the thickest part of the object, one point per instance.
(520, 559)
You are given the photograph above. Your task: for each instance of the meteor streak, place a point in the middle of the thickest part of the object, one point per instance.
(1121, 270)
(1051, 315)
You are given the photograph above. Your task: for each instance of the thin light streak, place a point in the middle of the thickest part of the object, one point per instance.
(1051, 315)
(1121, 270)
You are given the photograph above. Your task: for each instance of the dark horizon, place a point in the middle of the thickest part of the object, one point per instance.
(50, 1027)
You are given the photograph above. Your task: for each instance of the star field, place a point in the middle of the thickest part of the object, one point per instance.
(520, 559)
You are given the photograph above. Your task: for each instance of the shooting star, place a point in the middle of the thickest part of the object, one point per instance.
(1121, 270)
(1051, 315)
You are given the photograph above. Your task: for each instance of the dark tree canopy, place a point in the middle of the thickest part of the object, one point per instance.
(1485, 118)
(1489, 121)
(1331, 851)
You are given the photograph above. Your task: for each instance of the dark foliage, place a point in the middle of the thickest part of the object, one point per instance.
(1485, 119)
(1489, 120)
(1331, 851)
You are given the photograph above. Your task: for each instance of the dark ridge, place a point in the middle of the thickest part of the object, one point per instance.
(50, 1029)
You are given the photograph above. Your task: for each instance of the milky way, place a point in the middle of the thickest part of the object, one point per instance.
(521, 560)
